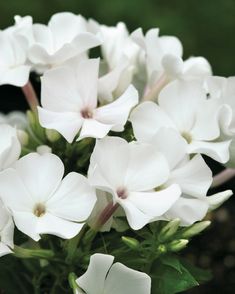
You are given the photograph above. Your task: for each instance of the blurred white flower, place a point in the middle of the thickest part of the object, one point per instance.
(41, 202)
(6, 231)
(15, 118)
(65, 37)
(69, 103)
(13, 60)
(104, 277)
(183, 106)
(131, 172)
(10, 147)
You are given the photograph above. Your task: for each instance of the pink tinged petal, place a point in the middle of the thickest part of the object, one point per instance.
(147, 119)
(117, 112)
(13, 192)
(180, 100)
(87, 82)
(4, 249)
(164, 140)
(41, 174)
(59, 91)
(122, 279)
(146, 169)
(27, 222)
(94, 129)
(219, 151)
(142, 207)
(67, 124)
(188, 210)
(53, 225)
(17, 76)
(93, 280)
(74, 199)
(194, 177)
(218, 199)
(109, 162)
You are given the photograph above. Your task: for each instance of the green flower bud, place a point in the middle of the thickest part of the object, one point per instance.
(177, 245)
(131, 242)
(161, 249)
(195, 229)
(169, 230)
(52, 135)
(32, 253)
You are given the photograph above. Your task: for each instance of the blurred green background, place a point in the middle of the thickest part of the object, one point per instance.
(206, 27)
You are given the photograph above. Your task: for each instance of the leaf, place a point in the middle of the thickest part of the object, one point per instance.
(172, 261)
(170, 279)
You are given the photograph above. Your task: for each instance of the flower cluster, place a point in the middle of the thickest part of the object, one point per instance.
(117, 143)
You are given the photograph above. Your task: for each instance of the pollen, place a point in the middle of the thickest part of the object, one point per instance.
(39, 209)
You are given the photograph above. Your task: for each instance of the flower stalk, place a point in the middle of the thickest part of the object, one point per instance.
(30, 96)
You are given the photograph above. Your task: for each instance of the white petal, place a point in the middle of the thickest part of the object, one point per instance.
(74, 199)
(141, 207)
(147, 119)
(93, 280)
(219, 151)
(87, 82)
(122, 279)
(4, 250)
(41, 174)
(17, 76)
(53, 225)
(179, 100)
(94, 129)
(218, 199)
(194, 177)
(196, 67)
(67, 124)
(59, 91)
(117, 112)
(147, 168)
(188, 210)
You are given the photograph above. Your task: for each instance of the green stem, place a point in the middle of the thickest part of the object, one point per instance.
(33, 253)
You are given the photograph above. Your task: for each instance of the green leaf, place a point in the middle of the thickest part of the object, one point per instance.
(172, 261)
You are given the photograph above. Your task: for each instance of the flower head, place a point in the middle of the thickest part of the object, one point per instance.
(41, 202)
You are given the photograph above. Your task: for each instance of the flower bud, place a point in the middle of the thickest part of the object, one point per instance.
(169, 230)
(177, 245)
(43, 149)
(23, 137)
(32, 253)
(52, 135)
(195, 229)
(161, 249)
(131, 242)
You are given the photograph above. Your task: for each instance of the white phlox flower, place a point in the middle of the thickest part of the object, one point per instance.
(192, 175)
(10, 147)
(41, 202)
(183, 106)
(131, 172)
(70, 103)
(6, 231)
(65, 37)
(104, 277)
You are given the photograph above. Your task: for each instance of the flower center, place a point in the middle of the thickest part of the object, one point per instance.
(187, 136)
(39, 209)
(86, 113)
(122, 193)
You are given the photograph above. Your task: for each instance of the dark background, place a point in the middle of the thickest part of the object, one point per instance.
(206, 28)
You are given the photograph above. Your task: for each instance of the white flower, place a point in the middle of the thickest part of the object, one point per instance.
(16, 119)
(10, 148)
(131, 172)
(6, 231)
(41, 202)
(183, 105)
(104, 277)
(192, 175)
(66, 36)
(13, 57)
(69, 101)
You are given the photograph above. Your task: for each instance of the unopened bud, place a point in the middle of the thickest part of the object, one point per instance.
(23, 137)
(32, 253)
(161, 249)
(52, 135)
(131, 242)
(169, 230)
(43, 149)
(177, 245)
(195, 229)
